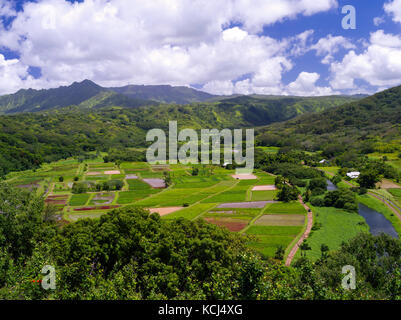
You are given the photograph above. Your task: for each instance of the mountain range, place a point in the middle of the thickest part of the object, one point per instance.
(89, 95)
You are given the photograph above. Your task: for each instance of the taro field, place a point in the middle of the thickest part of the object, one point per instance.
(240, 203)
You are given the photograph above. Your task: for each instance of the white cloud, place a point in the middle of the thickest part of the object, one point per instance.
(330, 45)
(6, 9)
(14, 76)
(379, 65)
(305, 85)
(156, 42)
(393, 8)
(377, 21)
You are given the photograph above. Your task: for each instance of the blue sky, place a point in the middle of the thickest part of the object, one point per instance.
(289, 47)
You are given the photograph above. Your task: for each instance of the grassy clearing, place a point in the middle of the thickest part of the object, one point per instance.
(330, 170)
(337, 226)
(266, 239)
(286, 208)
(395, 192)
(135, 184)
(263, 195)
(79, 199)
(243, 214)
(173, 197)
(191, 213)
(228, 196)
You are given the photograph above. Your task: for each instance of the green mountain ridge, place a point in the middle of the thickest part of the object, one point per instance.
(164, 93)
(87, 94)
(354, 124)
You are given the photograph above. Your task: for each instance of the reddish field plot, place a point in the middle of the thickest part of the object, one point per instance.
(160, 168)
(234, 225)
(55, 202)
(93, 173)
(96, 208)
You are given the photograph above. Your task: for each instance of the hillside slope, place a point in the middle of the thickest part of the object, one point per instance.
(85, 93)
(164, 94)
(352, 124)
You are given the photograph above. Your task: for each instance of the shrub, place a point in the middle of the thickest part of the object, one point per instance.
(317, 202)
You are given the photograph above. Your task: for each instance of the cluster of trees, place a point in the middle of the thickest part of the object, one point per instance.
(118, 156)
(131, 254)
(287, 192)
(341, 199)
(85, 186)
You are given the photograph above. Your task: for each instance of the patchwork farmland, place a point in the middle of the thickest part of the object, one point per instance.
(241, 203)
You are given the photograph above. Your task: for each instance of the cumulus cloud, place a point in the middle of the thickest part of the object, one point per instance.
(15, 75)
(330, 45)
(379, 65)
(377, 21)
(156, 42)
(6, 9)
(393, 8)
(305, 85)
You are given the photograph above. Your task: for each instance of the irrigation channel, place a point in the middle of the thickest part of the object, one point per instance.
(376, 221)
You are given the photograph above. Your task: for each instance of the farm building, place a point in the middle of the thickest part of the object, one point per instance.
(354, 175)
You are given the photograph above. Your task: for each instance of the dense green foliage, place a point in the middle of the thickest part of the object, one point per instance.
(359, 125)
(164, 94)
(27, 140)
(130, 254)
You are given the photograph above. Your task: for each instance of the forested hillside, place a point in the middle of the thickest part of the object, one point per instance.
(28, 139)
(357, 125)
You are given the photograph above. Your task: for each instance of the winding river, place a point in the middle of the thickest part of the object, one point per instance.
(377, 222)
(331, 186)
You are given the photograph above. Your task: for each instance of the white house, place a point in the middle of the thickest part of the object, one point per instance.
(323, 161)
(354, 175)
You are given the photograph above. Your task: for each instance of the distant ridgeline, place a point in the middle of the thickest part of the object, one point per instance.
(359, 125)
(47, 125)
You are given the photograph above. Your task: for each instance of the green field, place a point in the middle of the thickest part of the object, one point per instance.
(266, 239)
(337, 226)
(200, 195)
(286, 208)
(191, 212)
(263, 195)
(79, 199)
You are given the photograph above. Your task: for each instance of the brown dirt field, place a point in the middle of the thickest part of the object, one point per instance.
(50, 201)
(387, 184)
(264, 188)
(112, 172)
(165, 211)
(233, 225)
(93, 173)
(281, 220)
